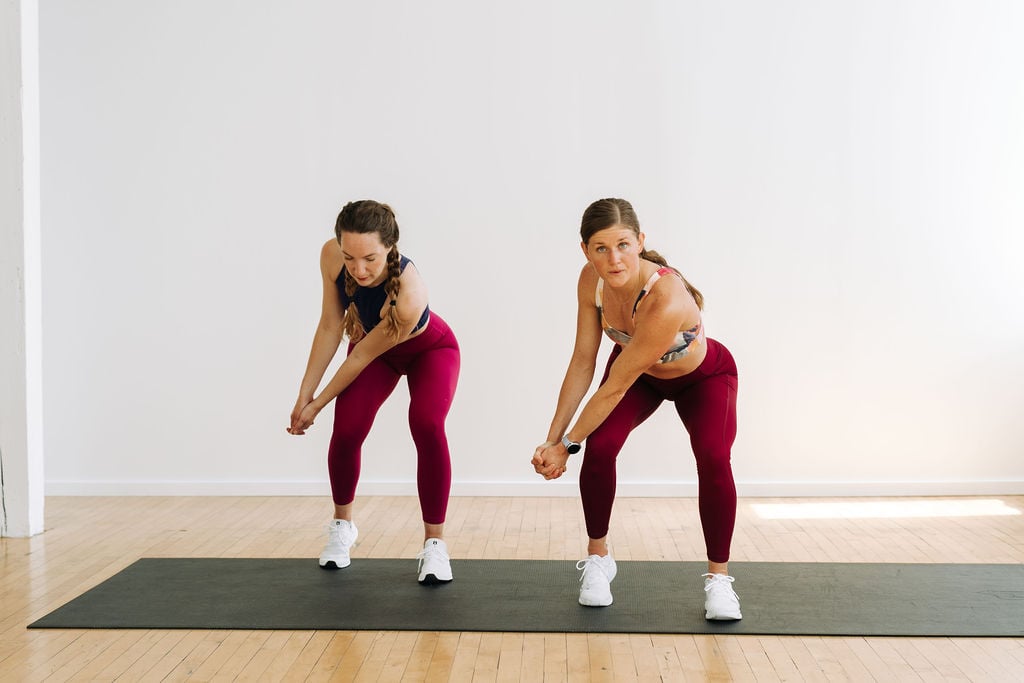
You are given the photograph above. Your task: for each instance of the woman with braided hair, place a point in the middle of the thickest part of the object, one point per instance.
(661, 354)
(375, 296)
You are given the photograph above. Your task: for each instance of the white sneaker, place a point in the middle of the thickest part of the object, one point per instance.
(720, 601)
(598, 572)
(341, 536)
(434, 566)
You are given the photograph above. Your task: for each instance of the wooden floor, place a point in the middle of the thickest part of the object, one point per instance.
(89, 539)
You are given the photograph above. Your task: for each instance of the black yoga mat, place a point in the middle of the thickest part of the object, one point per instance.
(780, 598)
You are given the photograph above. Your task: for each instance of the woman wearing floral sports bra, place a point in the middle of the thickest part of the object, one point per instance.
(661, 353)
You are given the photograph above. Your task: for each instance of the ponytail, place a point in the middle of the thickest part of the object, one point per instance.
(655, 257)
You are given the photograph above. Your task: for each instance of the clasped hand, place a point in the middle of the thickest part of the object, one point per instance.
(302, 417)
(549, 460)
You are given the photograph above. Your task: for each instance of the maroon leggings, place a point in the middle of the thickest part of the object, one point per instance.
(705, 399)
(431, 363)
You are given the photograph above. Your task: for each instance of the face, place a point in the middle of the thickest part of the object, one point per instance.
(366, 257)
(615, 253)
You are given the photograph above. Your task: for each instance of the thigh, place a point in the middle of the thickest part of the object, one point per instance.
(708, 411)
(636, 405)
(433, 378)
(358, 404)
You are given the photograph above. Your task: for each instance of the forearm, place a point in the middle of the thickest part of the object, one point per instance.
(594, 412)
(574, 388)
(325, 344)
(353, 364)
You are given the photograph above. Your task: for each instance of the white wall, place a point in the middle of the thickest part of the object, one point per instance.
(842, 180)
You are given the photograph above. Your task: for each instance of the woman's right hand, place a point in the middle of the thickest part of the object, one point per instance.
(294, 427)
(549, 460)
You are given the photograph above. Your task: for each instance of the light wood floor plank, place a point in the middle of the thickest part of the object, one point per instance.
(331, 656)
(485, 668)
(510, 658)
(721, 659)
(465, 657)
(444, 658)
(314, 646)
(601, 666)
(161, 670)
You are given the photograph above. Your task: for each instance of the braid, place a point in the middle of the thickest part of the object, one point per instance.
(351, 325)
(392, 286)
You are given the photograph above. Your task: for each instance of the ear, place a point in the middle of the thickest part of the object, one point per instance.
(583, 246)
(641, 237)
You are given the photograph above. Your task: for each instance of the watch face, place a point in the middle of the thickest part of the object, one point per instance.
(573, 448)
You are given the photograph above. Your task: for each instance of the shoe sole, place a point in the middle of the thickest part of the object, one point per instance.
(331, 564)
(432, 580)
(722, 617)
(596, 604)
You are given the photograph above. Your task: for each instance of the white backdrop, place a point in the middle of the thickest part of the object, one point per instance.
(842, 180)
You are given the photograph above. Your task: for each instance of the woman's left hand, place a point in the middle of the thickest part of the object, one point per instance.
(549, 460)
(304, 420)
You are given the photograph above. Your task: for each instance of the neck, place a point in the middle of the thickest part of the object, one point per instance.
(630, 290)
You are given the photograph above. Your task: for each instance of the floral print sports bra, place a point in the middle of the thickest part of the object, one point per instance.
(684, 340)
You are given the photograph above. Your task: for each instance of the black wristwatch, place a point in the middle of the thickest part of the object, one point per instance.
(573, 447)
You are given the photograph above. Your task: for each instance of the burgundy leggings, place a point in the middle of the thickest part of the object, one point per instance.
(705, 399)
(431, 363)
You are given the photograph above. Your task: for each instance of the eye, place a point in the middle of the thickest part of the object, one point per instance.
(623, 246)
(601, 250)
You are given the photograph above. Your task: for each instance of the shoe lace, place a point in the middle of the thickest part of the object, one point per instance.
(430, 552)
(588, 566)
(717, 580)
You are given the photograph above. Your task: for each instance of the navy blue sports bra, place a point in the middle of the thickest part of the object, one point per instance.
(370, 300)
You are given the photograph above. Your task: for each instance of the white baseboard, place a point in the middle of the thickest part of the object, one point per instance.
(680, 489)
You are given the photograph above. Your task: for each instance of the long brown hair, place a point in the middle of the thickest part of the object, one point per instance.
(364, 217)
(607, 213)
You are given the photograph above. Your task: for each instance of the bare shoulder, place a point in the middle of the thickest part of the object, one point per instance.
(411, 273)
(331, 259)
(587, 284)
(669, 297)
(414, 288)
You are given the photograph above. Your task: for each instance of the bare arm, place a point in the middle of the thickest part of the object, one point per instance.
(580, 372)
(578, 376)
(655, 330)
(328, 331)
(656, 326)
(412, 299)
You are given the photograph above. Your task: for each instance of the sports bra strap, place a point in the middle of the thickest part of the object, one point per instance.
(655, 276)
